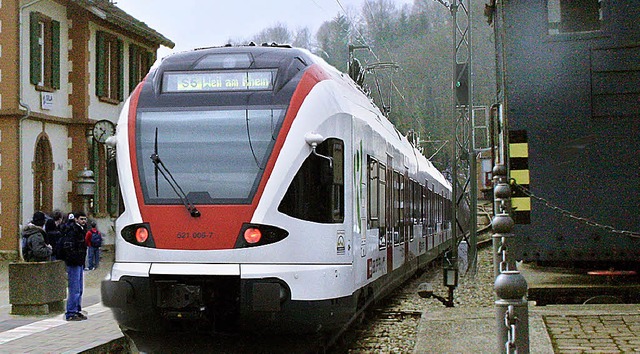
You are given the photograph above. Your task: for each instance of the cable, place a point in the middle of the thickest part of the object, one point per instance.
(362, 38)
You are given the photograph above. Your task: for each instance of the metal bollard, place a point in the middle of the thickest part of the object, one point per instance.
(501, 225)
(512, 313)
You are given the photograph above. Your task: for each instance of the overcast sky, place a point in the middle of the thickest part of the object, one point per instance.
(204, 23)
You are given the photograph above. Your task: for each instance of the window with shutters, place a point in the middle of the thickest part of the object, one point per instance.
(140, 61)
(43, 174)
(44, 45)
(106, 200)
(109, 68)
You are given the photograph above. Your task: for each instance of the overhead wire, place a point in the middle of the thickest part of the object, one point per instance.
(362, 38)
(388, 52)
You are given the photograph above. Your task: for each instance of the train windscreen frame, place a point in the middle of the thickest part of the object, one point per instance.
(216, 155)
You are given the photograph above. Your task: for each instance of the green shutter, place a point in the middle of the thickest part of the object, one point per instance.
(55, 54)
(121, 70)
(34, 34)
(133, 67)
(151, 58)
(100, 63)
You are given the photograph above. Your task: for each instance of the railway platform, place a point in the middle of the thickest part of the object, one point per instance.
(552, 329)
(51, 333)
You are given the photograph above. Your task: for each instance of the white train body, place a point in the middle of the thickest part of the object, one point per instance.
(269, 233)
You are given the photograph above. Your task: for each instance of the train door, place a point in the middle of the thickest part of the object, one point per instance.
(376, 220)
(389, 213)
(407, 217)
(398, 219)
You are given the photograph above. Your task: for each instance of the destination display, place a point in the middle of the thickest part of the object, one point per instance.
(194, 81)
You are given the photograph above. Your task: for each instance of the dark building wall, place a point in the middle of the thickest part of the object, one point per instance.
(577, 97)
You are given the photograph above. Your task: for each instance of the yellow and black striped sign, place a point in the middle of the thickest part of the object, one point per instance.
(519, 171)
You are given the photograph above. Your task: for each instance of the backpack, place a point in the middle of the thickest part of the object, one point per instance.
(69, 250)
(96, 239)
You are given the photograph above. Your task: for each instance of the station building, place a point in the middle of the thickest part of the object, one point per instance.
(64, 65)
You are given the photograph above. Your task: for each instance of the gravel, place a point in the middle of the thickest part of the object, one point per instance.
(392, 326)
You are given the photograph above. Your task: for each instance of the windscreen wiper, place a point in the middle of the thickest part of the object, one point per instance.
(159, 166)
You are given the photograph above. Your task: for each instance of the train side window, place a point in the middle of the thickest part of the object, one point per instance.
(397, 205)
(409, 210)
(373, 193)
(317, 190)
(382, 204)
(441, 204)
(382, 194)
(402, 208)
(388, 205)
(566, 16)
(417, 205)
(423, 205)
(423, 209)
(431, 208)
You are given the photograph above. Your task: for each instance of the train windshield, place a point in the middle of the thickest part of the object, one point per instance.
(215, 156)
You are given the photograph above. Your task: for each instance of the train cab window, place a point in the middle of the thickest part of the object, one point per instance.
(221, 162)
(566, 16)
(317, 190)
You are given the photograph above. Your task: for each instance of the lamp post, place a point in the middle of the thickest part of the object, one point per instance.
(85, 188)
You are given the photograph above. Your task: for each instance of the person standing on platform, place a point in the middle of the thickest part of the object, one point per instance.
(73, 250)
(35, 248)
(52, 228)
(93, 240)
(66, 224)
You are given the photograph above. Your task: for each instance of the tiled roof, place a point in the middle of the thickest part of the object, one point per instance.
(109, 12)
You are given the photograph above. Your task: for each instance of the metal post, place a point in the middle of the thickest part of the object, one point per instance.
(455, 147)
(512, 312)
(499, 206)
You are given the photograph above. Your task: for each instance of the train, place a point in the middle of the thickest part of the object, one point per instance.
(264, 191)
(568, 88)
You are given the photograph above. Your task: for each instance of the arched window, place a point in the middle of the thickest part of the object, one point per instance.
(43, 175)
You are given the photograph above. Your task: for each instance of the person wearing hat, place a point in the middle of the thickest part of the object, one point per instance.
(73, 250)
(67, 224)
(35, 249)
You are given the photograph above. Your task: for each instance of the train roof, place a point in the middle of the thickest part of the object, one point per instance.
(264, 56)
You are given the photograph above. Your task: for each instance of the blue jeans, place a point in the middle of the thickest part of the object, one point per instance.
(76, 283)
(93, 257)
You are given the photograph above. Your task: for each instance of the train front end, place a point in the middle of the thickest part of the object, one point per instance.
(197, 143)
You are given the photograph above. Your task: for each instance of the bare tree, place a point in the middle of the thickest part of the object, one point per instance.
(278, 33)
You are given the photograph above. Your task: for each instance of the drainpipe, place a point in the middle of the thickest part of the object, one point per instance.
(26, 116)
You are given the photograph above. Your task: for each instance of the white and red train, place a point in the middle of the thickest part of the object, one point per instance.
(263, 190)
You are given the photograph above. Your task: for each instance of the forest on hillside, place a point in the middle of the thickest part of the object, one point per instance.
(411, 46)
